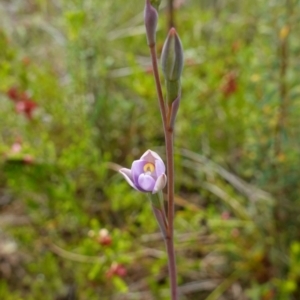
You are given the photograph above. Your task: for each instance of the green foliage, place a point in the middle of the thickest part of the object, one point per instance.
(86, 66)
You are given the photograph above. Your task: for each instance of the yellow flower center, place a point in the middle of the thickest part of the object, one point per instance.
(149, 168)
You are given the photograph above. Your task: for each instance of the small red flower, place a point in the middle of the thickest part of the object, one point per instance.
(230, 84)
(116, 269)
(26, 107)
(13, 94)
(104, 237)
(23, 103)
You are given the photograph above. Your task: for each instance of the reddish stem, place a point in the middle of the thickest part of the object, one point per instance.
(168, 131)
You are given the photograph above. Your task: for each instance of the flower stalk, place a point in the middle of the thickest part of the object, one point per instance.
(148, 173)
(172, 64)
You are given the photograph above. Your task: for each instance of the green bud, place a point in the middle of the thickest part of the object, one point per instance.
(173, 89)
(172, 57)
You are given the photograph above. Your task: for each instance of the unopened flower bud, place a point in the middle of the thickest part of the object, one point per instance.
(172, 65)
(173, 90)
(150, 17)
(172, 57)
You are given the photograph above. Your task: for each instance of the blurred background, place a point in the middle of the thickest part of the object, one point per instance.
(77, 100)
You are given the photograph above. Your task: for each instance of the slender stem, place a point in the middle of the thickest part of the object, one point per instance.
(171, 22)
(170, 184)
(168, 131)
(172, 267)
(169, 142)
(158, 87)
(170, 238)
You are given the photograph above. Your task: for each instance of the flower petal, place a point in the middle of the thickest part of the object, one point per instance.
(146, 182)
(150, 156)
(159, 168)
(128, 176)
(137, 169)
(160, 183)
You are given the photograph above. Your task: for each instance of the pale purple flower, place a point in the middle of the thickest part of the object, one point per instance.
(146, 174)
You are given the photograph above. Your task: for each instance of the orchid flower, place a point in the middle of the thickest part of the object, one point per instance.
(146, 174)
